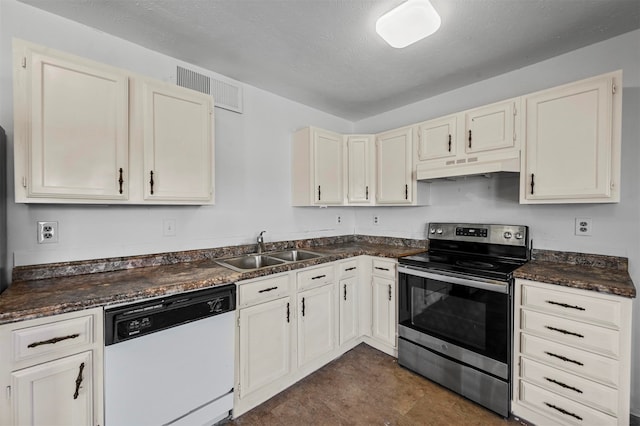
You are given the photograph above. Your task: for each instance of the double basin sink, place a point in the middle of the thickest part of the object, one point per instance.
(251, 262)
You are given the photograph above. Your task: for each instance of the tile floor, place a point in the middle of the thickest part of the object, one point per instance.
(368, 387)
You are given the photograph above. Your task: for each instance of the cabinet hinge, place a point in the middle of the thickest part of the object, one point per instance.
(24, 181)
(613, 88)
(24, 62)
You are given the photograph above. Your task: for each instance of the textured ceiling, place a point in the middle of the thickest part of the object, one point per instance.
(326, 54)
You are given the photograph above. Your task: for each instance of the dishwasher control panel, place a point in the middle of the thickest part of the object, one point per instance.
(141, 318)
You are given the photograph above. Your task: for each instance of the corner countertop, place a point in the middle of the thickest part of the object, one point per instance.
(604, 274)
(32, 298)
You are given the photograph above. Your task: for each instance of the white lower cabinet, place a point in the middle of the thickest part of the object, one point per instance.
(51, 370)
(265, 344)
(291, 324)
(316, 323)
(571, 356)
(383, 295)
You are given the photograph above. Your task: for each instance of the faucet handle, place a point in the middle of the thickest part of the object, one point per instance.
(260, 238)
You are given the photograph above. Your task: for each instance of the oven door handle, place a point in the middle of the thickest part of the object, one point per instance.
(489, 285)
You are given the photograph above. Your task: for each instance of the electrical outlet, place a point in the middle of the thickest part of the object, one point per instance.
(584, 226)
(47, 232)
(169, 227)
(376, 220)
(338, 220)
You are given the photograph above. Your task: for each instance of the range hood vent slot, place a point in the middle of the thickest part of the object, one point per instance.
(226, 94)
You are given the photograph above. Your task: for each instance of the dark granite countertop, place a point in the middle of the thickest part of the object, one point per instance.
(604, 274)
(140, 277)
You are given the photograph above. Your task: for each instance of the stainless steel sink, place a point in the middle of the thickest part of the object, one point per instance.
(252, 262)
(295, 255)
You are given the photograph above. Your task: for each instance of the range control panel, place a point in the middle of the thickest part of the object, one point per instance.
(514, 235)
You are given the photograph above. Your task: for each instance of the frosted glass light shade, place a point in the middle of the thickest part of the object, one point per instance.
(408, 23)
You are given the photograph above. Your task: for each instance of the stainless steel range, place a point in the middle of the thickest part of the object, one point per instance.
(455, 309)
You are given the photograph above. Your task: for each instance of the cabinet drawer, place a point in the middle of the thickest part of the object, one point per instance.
(582, 390)
(572, 304)
(584, 363)
(587, 336)
(347, 269)
(52, 338)
(562, 409)
(383, 268)
(263, 290)
(315, 277)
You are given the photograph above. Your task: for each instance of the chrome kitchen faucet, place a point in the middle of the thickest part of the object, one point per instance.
(260, 241)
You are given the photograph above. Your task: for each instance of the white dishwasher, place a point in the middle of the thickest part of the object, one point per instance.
(169, 361)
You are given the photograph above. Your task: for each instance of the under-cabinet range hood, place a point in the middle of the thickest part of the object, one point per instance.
(462, 167)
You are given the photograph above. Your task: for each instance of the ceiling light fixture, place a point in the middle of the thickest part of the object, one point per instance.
(413, 20)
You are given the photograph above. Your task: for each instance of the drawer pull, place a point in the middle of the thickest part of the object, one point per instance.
(560, 330)
(382, 269)
(318, 277)
(267, 289)
(555, 382)
(53, 341)
(564, 305)
(563, 411)
(564, 358)
(78, 381)
(350, 269)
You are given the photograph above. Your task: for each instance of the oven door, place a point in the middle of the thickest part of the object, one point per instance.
(465, 319)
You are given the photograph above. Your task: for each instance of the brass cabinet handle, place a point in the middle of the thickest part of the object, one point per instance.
(53, 341)
(151, 181)
(120, 180)
(78, 381)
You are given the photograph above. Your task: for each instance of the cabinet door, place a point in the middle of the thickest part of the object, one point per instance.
(79, 138)
(327, 167)
(348, 295)
(437, 138)
(394, 167)
(569, 142)
(178, 143)
(58, 392)
(359, 165)
(316, 323)
(384, 311)
(265, 344)
(490, 127)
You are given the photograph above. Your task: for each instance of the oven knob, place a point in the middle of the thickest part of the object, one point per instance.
(432, 230)
(439, 231)
(507, 235)
(519, 236)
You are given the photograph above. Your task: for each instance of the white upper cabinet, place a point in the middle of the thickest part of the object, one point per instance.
(89, 133)
(317, 167)
(71, 129)
(572, 152)
(491, 127)
(394, 166)
(177, 143)
(438, 138)
(359, 169)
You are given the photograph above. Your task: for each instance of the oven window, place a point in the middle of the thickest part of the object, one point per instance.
(472, 318)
